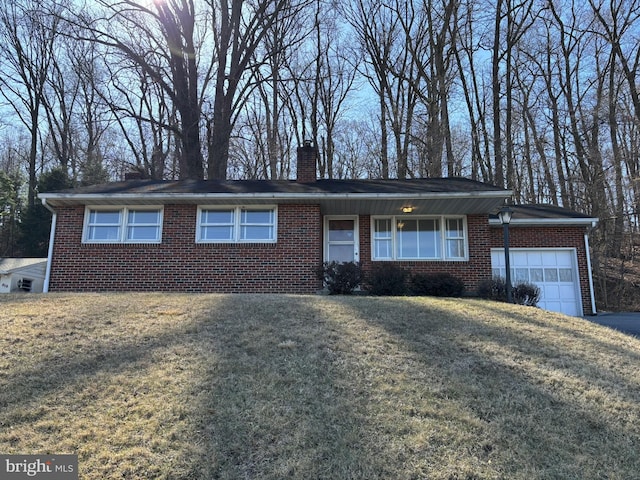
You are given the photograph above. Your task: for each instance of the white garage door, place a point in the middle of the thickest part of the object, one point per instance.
(553, 270)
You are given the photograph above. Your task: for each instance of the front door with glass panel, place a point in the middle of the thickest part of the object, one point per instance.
(341, 239)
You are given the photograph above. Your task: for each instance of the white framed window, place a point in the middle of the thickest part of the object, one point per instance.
(123, 225)
(236, 224)
(419, 238)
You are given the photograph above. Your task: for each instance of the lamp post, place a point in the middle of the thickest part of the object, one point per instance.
(505, 215)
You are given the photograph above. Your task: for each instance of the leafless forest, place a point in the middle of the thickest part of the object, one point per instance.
(537, 96)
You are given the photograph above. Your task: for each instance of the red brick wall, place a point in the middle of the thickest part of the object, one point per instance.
(472, 272)
(550, 237)
(181, 264)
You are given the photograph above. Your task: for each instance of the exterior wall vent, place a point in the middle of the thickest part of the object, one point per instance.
(25, 284)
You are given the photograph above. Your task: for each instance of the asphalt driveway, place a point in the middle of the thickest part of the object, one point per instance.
(627, 322)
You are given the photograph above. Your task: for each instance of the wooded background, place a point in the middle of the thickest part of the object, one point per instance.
(537, 96)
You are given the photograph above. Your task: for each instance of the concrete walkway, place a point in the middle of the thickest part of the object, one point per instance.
(627, 322)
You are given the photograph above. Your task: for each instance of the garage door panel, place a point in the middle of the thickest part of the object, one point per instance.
(550, 292)
(554, 271)
(534, 258)
(567, 291)
(555, 306)
(519, 258)
(564, 260)
(549, 259)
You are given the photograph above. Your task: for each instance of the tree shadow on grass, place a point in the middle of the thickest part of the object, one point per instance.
(263, 396)
(537, 410)
(328, 388)
(279, 403)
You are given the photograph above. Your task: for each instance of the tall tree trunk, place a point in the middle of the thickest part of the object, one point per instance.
(496, 94)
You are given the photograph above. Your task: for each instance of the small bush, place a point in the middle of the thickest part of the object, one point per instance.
(496, 289)
(493, 289)
(340, 278)
(436, 285)
(387, 279)
(526, 294)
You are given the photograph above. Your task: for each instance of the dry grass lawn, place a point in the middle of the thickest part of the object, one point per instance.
(157, 386)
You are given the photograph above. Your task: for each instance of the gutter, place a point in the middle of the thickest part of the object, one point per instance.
(52, 234)
(590, 275)
(545, 221)
(198, 197)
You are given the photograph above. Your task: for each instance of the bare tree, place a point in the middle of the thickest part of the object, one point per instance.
(163, 44)
(27, 40)
(239, 30)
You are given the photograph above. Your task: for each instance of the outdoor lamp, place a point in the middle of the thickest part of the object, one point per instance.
(505, 215)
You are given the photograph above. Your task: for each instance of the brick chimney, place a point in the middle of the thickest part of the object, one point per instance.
(306, 163)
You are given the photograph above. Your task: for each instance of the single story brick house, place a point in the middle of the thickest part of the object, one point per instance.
(267, 236)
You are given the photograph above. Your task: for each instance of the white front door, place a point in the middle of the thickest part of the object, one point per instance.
(555, 271)
(341, 239)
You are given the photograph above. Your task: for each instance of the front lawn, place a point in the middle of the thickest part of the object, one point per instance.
(172, 386)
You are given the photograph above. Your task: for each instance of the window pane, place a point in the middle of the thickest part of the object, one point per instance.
(407, 236)
(382, 239)
(144, 216)
(104, 217)
(550, 275)
(217, 216)
(341, 230)
(455, 248)
(418, 238)
(455, 228)
(257, 216)
(566, 275)
(455, 238)
(382, 228)
(522, 275)
(257, 225)
(536, 275)
(143, 225)
(382, 249)
(429, 239)
(104, 233)
(254, 232)
(222, 232)
(143, 233)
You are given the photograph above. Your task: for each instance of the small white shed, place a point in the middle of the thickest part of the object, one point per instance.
(22, 274)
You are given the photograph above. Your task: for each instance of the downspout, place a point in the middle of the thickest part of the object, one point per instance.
(52, 234)
(590, 273)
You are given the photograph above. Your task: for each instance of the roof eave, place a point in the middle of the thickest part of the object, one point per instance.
(57, 199)
(539, 222)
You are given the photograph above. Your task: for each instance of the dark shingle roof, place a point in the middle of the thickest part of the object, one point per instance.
(422, 185)
(539, 213)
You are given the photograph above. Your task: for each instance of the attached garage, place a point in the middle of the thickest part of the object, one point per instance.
(549, 247)
(554, 271)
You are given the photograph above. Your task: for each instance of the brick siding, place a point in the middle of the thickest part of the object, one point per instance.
(181, 264)
(287, 266)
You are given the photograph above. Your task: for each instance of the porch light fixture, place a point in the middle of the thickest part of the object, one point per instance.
(505, 215)
(407, 209)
